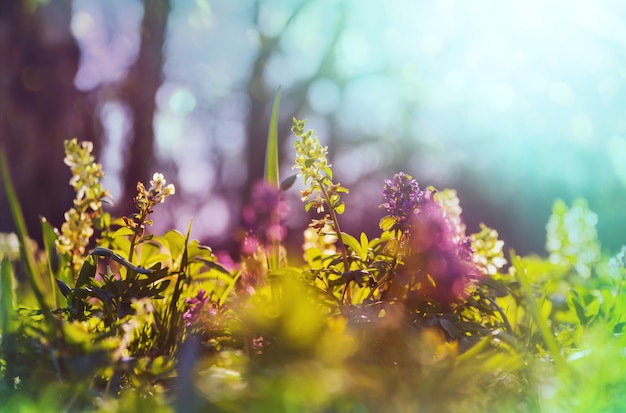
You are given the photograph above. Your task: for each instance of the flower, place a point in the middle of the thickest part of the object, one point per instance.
(9, 246)
(488, 255)
(440, 254)
(310, 154)
(195, 306)
(402, 198)
(86, 173)
(77, 229)
(156, 194)
(75, 232)
(266, 213)
(146, 199)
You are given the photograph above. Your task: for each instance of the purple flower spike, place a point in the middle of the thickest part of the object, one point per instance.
(195, 306)
(402, 196)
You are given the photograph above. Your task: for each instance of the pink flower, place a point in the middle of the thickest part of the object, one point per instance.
(440, 252)
(265, 215)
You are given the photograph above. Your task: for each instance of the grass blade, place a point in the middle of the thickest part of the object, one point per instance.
(7, 321)
(49, 238)
(271, 154)
(25, 251)
(271, 171)
(7, 298)
(535, 311)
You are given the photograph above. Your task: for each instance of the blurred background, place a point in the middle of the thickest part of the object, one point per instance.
(513, 103)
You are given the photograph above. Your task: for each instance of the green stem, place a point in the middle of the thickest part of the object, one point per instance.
(137, 231)
(344, 253)
(333, 217)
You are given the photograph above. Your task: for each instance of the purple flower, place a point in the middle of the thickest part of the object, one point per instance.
(195, 306)
(440, 256)
(402, 198)
(266, 213)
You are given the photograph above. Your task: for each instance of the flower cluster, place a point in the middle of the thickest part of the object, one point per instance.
(310, 154)
(9, 246)
(488, 256)
(321, 192)
(86, 174)
(439, 256)
(146, 199)
(76, 232)
(265, 215)
(195, 308)
(264, 229)
(312, 164)
(402, 197)
(77, 229)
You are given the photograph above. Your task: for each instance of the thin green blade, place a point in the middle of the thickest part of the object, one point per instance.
(7, 298)
(49, 239)
(20, 226)
(271, 155)
(271, 169)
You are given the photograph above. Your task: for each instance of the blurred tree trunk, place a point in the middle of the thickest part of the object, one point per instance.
(261, 98)
(40, 107)
(143, 80)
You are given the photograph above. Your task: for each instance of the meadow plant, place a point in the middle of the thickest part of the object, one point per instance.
(419, 317)
(78, 228)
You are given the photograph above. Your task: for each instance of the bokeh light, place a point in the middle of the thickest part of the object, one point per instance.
(513, 103)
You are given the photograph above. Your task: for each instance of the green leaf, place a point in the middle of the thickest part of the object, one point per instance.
(329, 172)
(87, 272)
(351, 242)
(122, 232)
(271, 154)
(229, 288)
(364, 246)
(76, 334)
(161, 365)
(341, 208)
(32, 274)
(579, 306)
(175, 243)
(288, 182)
(387, 222)
(64, 288)
(271, 170)
(535, 310)
(7, 298)
(290, 272)
(313, 257)
(214, 266)
(151, 254)
(593, 308)
(49, 238)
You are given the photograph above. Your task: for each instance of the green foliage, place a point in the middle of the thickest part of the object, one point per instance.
(421, 317)
(572, 239)
(271, 170)
(33, 275)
